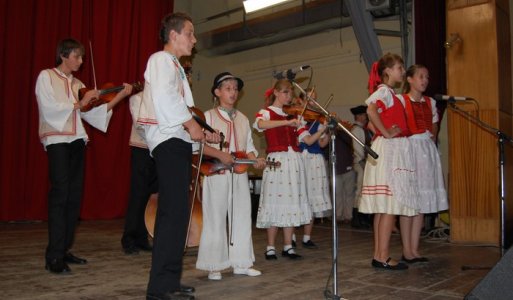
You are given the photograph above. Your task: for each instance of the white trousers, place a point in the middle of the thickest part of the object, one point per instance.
(216, 250)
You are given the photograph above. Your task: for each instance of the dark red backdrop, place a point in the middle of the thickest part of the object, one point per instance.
(123, 34)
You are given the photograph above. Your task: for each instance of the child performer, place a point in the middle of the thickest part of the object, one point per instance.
(317, 184)
(389, 182)
(283, 199)
(227, 194)
(64, 137)
(422, 119)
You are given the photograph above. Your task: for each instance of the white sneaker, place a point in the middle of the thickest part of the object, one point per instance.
(249, 271)
(213, 275)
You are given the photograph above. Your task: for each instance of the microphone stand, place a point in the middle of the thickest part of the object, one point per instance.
(332, 125)
(502, 137)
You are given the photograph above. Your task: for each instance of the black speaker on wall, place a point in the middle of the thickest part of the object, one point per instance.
(498, 283)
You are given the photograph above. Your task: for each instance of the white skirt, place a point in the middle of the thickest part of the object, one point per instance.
(283, 197)
(317, 184)
(432, 194)
(389, 183)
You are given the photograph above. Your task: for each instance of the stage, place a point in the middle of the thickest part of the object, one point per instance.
(110, 274)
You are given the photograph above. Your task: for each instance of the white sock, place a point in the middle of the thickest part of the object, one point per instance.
(287, 247)
(306, 238)
(271, 248)
(294, 237)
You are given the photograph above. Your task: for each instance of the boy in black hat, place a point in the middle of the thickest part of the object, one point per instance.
(360, 131)
(226, 194)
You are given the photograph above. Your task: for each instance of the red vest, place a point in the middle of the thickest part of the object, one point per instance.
(419, 115)
(280, 138)
(393, 116)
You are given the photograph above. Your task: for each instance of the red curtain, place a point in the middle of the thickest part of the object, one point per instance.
(123, 34)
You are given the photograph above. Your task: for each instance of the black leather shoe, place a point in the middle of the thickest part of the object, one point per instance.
(178, 295)
(310, 245)
(270, 254)
(415, 259)
(57, 266)
(187, 289)
(386, 266)
(131, 250)
(290, 254)
(72, 259)
(145, 247)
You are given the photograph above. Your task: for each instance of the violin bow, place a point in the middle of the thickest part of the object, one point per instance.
(194, 190)
(92, 64)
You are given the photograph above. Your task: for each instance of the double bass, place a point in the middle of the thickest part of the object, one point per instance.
(196, 215)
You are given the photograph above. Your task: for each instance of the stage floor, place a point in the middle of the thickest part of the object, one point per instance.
(110, 274)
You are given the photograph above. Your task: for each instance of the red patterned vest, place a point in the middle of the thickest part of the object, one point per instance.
(280, 138)
(419, 115)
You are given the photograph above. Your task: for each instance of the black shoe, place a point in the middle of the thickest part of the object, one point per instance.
(385, 265)
(290, 254)
(310, 245)
(270, 254)
(415, 259)
(131, 250)
(170, 296)
(294, 245)
(57, 266)
(187, 289)
(145, 247)
(72, 259)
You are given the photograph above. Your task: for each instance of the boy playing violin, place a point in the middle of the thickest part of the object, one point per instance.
(64, 137)
(227, 194)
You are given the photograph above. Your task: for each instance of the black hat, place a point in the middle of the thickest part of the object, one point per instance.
(225, 76)
(360, 109)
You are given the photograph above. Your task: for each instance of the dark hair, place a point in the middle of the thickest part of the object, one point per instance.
(173, 21)
(65, 47)
(410, 73)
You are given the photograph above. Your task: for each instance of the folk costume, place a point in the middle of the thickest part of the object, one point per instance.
(163, 110)
(143, 183)
(389, 183)
(226, 195)
(421, 116)
(317, 183)
(64, 137)
(283, 198)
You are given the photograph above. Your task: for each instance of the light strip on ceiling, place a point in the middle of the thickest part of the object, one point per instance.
(254, 5)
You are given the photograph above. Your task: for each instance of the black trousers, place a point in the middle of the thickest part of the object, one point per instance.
(173, 161)
(66, 171)
(143, 183)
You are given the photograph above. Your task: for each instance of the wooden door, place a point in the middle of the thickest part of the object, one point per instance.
(478, 66)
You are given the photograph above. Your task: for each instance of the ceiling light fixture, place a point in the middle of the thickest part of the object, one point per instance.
(254, 5)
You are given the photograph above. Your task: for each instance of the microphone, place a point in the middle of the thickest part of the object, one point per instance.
(439, 97)
(290, 73)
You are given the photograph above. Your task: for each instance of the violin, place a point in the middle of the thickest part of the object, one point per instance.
(107, 92)
(212, 165)
(308, 114)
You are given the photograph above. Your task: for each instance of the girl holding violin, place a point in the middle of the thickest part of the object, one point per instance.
(227, 194)
(317, 184)
(64, 137)
(283, 199)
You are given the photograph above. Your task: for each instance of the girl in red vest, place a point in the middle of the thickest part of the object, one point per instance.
(422, 118)
(388, 182)
(283, 198)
